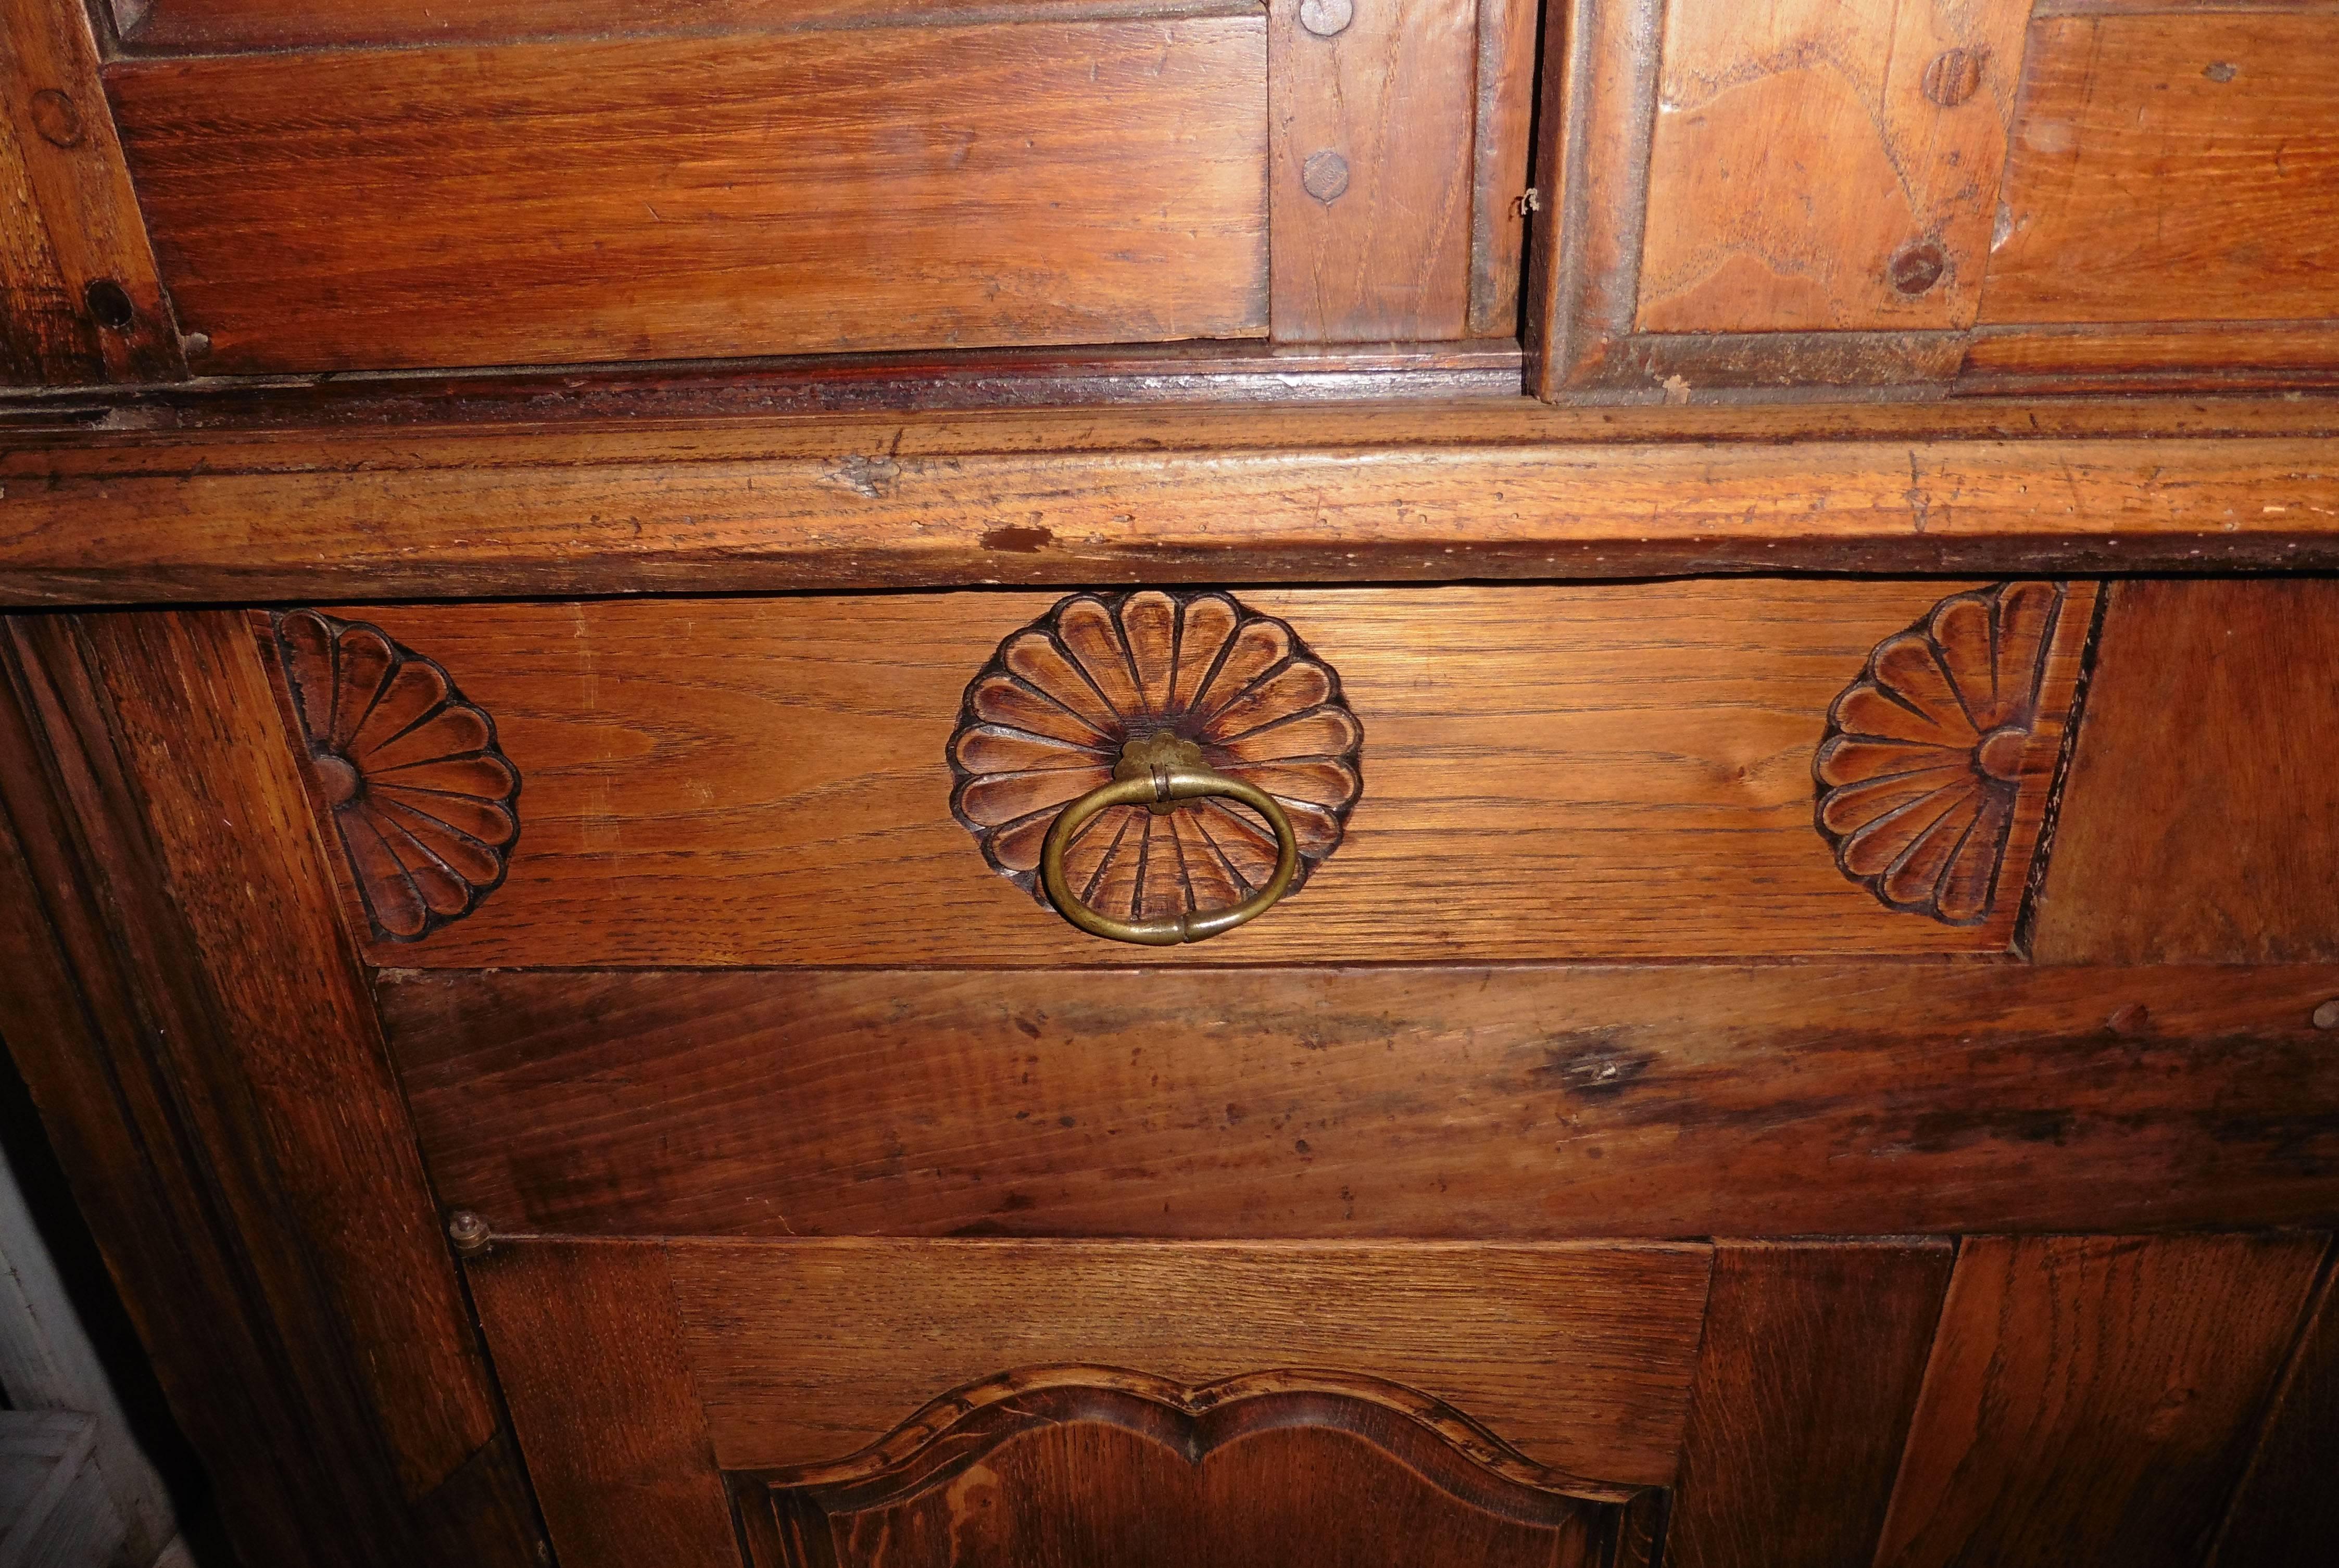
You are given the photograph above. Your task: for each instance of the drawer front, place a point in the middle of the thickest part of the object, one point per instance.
(1671, 770)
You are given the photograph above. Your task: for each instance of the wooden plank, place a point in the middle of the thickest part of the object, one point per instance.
(589, 1353)
(1796, 1418)
(1818, 166)
(1675, 1099)
(1499, 163)
(1369, 125)
(2285, 1509)
(1372, 494)
(1049, 183)
(1579, 1356)
(214, 1084)
(2092, 1398)
(83, 303)
(2174, 167)
(765, 782)
(2200, 823)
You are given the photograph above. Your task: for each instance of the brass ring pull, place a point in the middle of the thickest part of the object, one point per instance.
(1158, 786)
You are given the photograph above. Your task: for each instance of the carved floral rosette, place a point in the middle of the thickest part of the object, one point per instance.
(423, 800)
(1044, 722)
(1921, 767)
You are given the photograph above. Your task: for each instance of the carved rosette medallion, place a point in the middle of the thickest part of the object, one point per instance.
(423, 801)
(1047, 718)
(1921, 767)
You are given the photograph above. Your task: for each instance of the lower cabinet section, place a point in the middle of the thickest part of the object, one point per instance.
(1901, 1401)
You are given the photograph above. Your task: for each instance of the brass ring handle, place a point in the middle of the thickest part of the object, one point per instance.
(1156, 787)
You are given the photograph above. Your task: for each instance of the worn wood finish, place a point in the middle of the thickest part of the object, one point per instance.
(2172, 167)
(188, 1018)
(1817, 166)
(1499, 203)
(766, 781)
(1370, 128)
(81, 302)
(1104, 1465)
(1670, 1100)
(1046, 182)
(1577, 1356)
(589, 1353)
(2092, 1398)
(2285, 1509)
(1797, 1417)
(1217, 495)
(2201, 820)
(2220, 355)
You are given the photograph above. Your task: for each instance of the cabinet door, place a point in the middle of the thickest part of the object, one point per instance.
(1075, 1403)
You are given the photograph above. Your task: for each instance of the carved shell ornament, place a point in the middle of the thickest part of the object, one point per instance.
(1103, 678)
(1922, 763)
(423, 801)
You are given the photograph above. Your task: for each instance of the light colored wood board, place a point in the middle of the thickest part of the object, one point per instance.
(1390, 100)
(2200, 823)
(2174, 168)
(1577, 1355)
(1050, 183)
(1801, 149)
(2091, 1398)
(2285, 1509)
(1500, 163)
(1579, 1101)
(588, 1350)
(216, 26)
(69, 219)
(2222, 347)
(1377, 494)
(1548, 772)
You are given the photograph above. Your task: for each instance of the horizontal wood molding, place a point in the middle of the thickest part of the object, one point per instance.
(1667, 1100)
(1496, 489)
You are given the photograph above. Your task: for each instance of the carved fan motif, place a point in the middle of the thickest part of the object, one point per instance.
(1922, 763)
(424, 803)
(1103, 1465)
(1044, 723)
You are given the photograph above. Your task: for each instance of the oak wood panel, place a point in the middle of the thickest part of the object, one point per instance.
(763, 781)
(1807, 1377)
(1578, 1101)
(211, 1079)
(2285, 1509)
(2200, 822)
(1810, 158)
(2092, 1398)
(1507, 34)
(1046, 182)
(2172, 167)
(589, 1352)
(1374, 245)
(1578, 1356)
(82, 302)
(1506, 490)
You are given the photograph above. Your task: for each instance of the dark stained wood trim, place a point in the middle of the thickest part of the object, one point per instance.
(1503, 490)
(191, 1027)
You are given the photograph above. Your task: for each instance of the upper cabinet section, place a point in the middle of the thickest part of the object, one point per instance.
(1960, 194)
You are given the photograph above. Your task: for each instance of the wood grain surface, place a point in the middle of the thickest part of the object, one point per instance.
(2172, 167)
(2200, 823)
(1548, 772)
(1046, 182)
(588, 1349)
(2093, 1398)
(1803, 152)
(1669, 1101)
(1095, 497)
(1500, 163)
(1578, 1356)
(1807, 1377)
(69, 221)
(1389, 99)
(2285, 1509)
